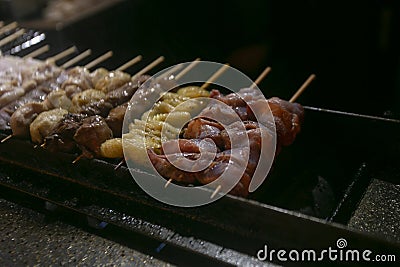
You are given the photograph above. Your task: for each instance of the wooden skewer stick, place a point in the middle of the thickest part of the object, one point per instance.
(6, 138)
(215, 76)
(149, 67)
(170, 72)
(76, 59)
(8, 27)
(38, 52)
(216, 191)
(99, 60)
(261, 77)
(1, 24)
(119, 164)
(12, 37)
(302, 88)
(130, 63)
(167, 183)
(62, 54)
(187, 69)
(77, 158)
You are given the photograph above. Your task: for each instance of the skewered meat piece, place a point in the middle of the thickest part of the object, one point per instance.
(124, 93)
(167, 170)
(112, 148)
(101, 108)
(44, 124)
(19, 70)
(91, 134)
(98, 74)
(19, 76)
(115, 119)
(190, 149)
(9, 94)
(57, 99)
(22, 118)
(76, 80)
(37, 94)
(112, 81)
(288, 118)
(50, 80)
(101, 105)
(201, 128)
(62, 137)
(87, 97)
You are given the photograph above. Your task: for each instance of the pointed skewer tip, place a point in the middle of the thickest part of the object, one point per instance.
(6, 138)
(167, 183)
(216, 191)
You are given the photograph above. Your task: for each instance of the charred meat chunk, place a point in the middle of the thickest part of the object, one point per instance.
(91, 134)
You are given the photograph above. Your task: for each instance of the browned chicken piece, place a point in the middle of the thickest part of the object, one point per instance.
(112, 81)
(77, 79)
(124, 93)
(44, 124)
(62, 137)
(115, 119)
(101, 108)
(22, 118)
(91, 134)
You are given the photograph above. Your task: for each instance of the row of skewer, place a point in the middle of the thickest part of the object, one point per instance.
(75, 60)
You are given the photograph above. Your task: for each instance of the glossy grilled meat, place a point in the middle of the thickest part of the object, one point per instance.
(287, 116)
(124, 93)
(91, 134)
(288, 119)
(62, 137)
(23, 117)
(115, 119)
(190, 150)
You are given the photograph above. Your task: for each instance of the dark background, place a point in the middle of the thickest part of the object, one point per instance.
(352, 46)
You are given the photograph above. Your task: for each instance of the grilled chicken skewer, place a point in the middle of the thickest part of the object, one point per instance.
(210, 80)
(274, 105)
(72, 81)
(116, 96)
